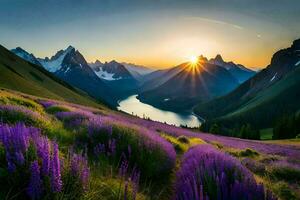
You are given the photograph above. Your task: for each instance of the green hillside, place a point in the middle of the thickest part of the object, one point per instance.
(17, 74)
(263, 109)
(267, 100)
(268, 105)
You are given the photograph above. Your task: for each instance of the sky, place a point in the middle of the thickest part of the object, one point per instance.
(155, 33)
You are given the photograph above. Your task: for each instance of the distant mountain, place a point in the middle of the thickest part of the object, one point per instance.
(159, 77)
(137, 71)
(20, 75)
(133, 68)
(240, 72)
(112, 71)
(263, 98)
(189, 84)
(117, 77)
(70, 66)
(25, 55)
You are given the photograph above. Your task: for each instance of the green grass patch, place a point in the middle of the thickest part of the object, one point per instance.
(11, 99)
(266, 134)
(284, 172)
(108, 188)
(56, 109)
(242, 153)
(283, 191)
(182, 143)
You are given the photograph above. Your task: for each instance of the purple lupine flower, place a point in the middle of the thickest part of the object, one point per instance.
(15, 140)
(123, 168)
(112, 146)
(79, 168)
(20, 160)
(11, 167)
(44, 153)
(135, 178)
(56, 182)
(97, 126)
(34, 189)
(46, 103)
(206, 171)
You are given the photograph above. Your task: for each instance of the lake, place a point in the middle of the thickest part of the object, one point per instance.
(132, 105)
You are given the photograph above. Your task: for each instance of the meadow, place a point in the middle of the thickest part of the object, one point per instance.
(52, 149)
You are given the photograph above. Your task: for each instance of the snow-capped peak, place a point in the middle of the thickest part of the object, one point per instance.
(55, 63)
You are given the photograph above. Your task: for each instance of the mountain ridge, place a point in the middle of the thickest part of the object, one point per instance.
(248, 101)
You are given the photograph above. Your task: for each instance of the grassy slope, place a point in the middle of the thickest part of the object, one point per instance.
(17, 74)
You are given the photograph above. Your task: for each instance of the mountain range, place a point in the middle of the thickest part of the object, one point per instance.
(112, 81)
(182, 87)
(108, 81)
(261, 100)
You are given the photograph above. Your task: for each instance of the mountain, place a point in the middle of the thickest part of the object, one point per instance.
(70, 66)
(190, 84)
(25, 55)
(159, 77)
(240, 72)
(20, 75)
(137, 69)
(117, 77)
(55, 62)
(262, 99)
(112, 71)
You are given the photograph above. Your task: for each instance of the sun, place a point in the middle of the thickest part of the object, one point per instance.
(194, 59)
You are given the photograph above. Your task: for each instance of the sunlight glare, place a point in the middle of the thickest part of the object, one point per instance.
(193, 59)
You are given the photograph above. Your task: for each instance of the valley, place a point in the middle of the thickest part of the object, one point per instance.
(149, 100)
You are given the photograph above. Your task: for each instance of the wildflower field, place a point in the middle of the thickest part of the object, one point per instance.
(58, 150)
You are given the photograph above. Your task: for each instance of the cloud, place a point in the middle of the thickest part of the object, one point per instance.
(216, 22)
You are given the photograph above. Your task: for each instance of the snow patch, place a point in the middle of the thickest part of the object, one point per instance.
(54, 65)
(105, 75)
(273, 77)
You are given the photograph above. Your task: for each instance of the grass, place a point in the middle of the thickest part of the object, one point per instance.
(284, 172)
(266, 134)
(182, 143)
(108, 188)
(56, 109)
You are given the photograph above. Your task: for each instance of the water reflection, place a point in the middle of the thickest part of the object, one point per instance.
(133, 106)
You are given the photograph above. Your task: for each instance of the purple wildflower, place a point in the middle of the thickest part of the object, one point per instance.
(56, 182)
(79, 168)
(208, 172)
(123, 168)
(34, 189)
(112, 146)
